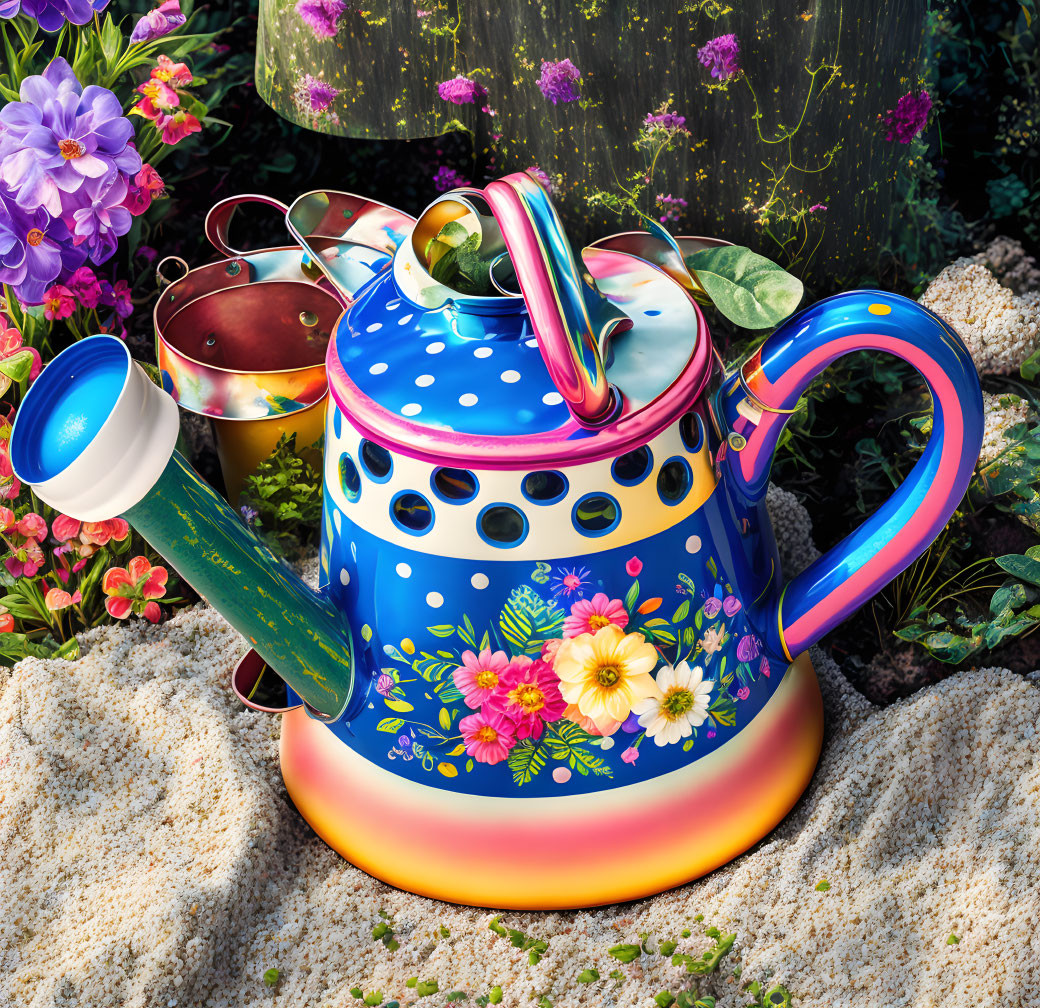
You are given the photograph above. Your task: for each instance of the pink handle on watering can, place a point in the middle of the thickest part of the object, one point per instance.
(218, 220)
(571, 319)
(756, 402)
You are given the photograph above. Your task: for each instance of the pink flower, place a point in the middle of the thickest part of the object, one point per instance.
(84, 284)
(321, 16)
(146, 186)
(175, 74)
(817, 206)
(58, 303)
(588, 616)
(748, 648)
(549, 649)
(541, 176)
(158, 99)
(176, 127)
(633, 567)
(488, 735)
(58, 598)
(32, 525)
(731, 605)
(461, 91)
(711, 733)
(743, 693)
(320, 94)
(384, 685)
(908, 118)
(763, 666)
(478, 675)
(529, 695)
(158, 22)
(630, 755)
(558, 81)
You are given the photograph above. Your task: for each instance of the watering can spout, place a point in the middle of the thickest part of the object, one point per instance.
(94, 437)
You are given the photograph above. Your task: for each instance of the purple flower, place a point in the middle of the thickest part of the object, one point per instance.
(321, 95)
(712, 607)
(558, 80)
(404, 741)
(631, 724)
(59, 135)
(385, 684)
(749, 648)
(817, 206)
(671, 207)
(34, 249)
(117, 297)
(461, 91)
(249, 514)
(9, 8)
(543, 178)
(721, 55)
(731, 605)
(102, 218)
(666, 120)
(322, 16)
(448, 178)
(52, 14)
(164, 19)
(908, 118)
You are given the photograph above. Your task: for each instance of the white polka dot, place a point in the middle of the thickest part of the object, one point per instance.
(378, 368)
(344, 576)
(436, 347)
(561, 775)
(424, 380)
(393, 305)
(467, 399)
(337, 520)
(552, 398)
(411, 409)
(405, 319)
(374, 327)
(480, 581)
(531, 342)
(435, 600)
(403, 570)
(483, 351)
(510, 377)
(607, 743)
(693, 544)
(353, 551)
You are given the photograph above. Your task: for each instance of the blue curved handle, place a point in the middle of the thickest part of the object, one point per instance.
(756, 402)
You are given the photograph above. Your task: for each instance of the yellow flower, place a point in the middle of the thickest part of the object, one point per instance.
(605, 673)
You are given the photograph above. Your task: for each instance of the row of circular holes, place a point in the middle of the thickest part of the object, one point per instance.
(503, 525)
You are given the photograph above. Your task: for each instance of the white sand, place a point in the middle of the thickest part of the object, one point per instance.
(149, 857)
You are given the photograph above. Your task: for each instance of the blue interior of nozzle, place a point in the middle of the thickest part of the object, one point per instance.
(67, 406)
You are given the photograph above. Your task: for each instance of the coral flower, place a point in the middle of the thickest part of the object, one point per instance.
(478, 675)
(571, 713)
(529, 695)
(588, 616)
(174, 128)
(174, 74)
(488, 735)
(6, 621)
(58, 598)
(158, 98)
(605, 673)
(682, 706)
(132, 589)
(147, 184)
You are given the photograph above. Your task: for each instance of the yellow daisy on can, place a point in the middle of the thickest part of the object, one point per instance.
(606, 673)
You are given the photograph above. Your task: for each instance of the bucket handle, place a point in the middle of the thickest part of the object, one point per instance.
(218, 220)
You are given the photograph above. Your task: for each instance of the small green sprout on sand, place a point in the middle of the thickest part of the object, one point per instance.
(373, 999)
(384, 932)
(823, 885)
(588, 975)
(776, 997)
(952, 940)
(544, 1002)
(271, 977)
(357, 992)
(456, 996)
(443, 932)
(665, 999)
(625, 953)
(534, 947)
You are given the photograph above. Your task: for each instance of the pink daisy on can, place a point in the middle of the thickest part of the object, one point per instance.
(478, 675)
(590, 615)
(529, 695)
(489, 735)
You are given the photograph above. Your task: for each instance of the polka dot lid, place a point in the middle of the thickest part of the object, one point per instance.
(448, 369)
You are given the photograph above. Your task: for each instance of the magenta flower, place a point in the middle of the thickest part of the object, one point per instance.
(569, 582)
(529, 695)
(721, 56)
(633, 567)
(763, 667)
(908, 118)
(321, 16)
(103, 218)
(50, 15)
(748, 648)
(542, 178)
(147, 185)
(478, 675)
(320, 94)
(59, 135)
(671, 121)
(671, 207)
(731, 605)
(817, 207)
(488, 736)
(558, 81)
(448, 178)
(630, 755)
(84, 285)
(461, 91)
(117, 297)
(165, 18)
(58, 303)
(34, 249)
(743, 693)
(385, 684)
(590, 615)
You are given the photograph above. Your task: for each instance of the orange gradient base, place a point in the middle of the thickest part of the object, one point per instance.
(553, 853)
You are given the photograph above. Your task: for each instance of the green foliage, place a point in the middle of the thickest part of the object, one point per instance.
(527, 620)
(749, 289)
(271, 977)
(453, 255)
(285, 491)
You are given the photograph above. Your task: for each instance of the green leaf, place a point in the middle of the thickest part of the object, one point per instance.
(526, 760)
(682, 612)
(625, 953)
(632, 596)
(271, 977)
(390, 724)
(952, 940)
(18, 365)
(823, 885)
(1022, 567)
(749, 289)
(588, 975)
(442, 630)
(444, 718)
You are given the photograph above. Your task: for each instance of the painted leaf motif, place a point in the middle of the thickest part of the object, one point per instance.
(526, 760)
(723, 709)
(444, 718)
(391, 724)
(527, 621)
(746, 287)
(447, 691)
(682, 612)
(441, 630)
(401, 706)
(632, 595)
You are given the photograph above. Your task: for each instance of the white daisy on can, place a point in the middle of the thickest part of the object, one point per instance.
(681, 705)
